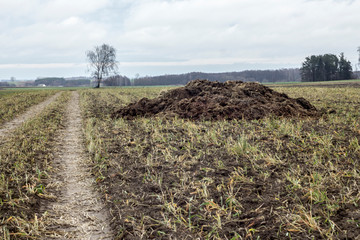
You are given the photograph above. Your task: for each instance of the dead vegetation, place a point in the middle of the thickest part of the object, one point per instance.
(167, 177)
(13, 103)
(24, 159)
(272, 178)
(77, 212)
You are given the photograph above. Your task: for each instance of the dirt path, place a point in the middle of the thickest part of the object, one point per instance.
(78, 212)
(10, 126)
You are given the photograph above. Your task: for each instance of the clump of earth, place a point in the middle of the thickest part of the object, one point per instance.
(206, 100)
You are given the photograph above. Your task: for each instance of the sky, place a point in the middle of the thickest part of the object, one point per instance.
(43, 38)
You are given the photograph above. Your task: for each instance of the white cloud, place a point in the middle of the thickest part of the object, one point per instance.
(205, 62)
(183, 32)
(40, 66)
(210, 28)
(50, 9)
(51, 40)
(71, 21)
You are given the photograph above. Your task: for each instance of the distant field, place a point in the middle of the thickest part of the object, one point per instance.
(342, 83)
(41, 88)
(354, 82)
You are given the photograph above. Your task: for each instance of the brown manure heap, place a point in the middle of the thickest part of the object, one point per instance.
(206, 100)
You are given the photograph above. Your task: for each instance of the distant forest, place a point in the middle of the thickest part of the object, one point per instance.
(262, 76)
(7, 84)
(117, 80)
(326, 67)
(56, 82)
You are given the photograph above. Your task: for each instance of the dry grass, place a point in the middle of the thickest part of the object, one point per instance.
(272, 178)
(13, 103)
(179, 179)
(24, 158)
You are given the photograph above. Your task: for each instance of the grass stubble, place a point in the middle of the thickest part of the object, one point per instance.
(25, 158)
(178, 179)
(16, 102)
(271, 178)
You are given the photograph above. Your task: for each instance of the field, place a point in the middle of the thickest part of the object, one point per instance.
(285, 178)
(25, 158)
(15, 102)
(171, 178)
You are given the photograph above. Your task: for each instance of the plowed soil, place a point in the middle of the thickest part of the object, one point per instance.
(206, 100)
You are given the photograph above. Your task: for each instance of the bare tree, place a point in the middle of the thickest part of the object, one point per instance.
(102, 62)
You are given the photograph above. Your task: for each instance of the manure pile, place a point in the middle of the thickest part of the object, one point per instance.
(206, 100)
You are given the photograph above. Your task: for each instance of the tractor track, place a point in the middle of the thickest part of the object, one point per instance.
(77, 212)
(10, 126)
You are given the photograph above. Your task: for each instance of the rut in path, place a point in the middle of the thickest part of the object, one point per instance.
(10, 126)
(78, 212)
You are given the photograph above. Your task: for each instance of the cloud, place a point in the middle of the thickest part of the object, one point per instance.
(185, 32)
(209, 28)
(50, 16)
(207, 61)
(47, 41)
(40, 66)
(41, 10)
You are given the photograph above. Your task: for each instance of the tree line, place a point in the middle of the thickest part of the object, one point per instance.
(117, 80)
(263, 76)
(102, 61)
(326, 67)
(56, 82)
(7, 84)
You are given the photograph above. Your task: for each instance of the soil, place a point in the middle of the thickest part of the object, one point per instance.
(30, 113)
(78, 212)
(206, 100)
(268, 204)
(181, 179)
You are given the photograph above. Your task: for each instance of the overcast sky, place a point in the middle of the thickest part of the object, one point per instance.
(41, 38)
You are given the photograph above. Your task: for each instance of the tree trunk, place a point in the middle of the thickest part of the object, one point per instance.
(98, 83)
